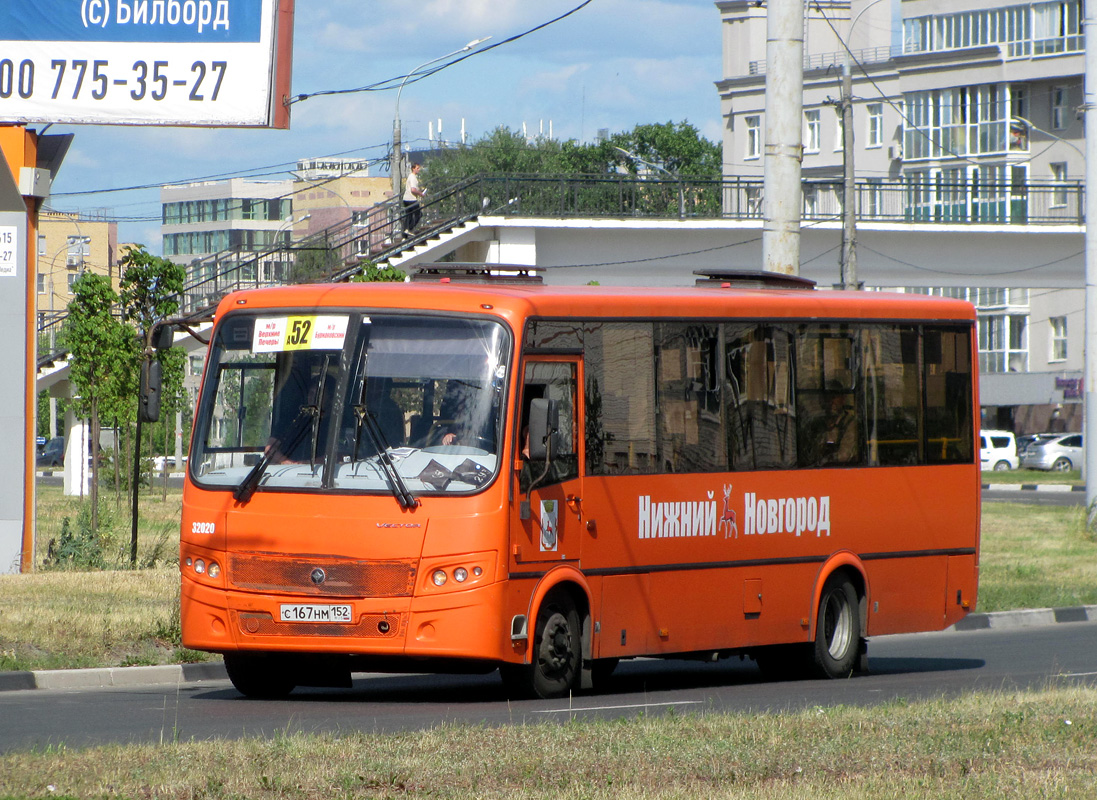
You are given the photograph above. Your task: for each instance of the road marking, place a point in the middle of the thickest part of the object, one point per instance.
(615, 708)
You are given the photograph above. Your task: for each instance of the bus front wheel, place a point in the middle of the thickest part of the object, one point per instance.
(557, 655)
(260, 676)
(837, 630)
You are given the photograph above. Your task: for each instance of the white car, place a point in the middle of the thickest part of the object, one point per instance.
(998, 450)
(160, 462)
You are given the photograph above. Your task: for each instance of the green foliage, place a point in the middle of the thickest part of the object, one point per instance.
(313, 264)
(678, 148)
(150, 287)
(79, 546)
(102, 347)
(371, 273)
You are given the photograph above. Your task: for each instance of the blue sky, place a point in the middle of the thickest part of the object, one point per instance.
(614, 64)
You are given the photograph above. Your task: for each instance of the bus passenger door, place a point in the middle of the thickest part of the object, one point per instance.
(547, 507)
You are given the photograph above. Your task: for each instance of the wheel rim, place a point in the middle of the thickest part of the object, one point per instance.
(1062, 465)
(555, 653)
(837, 625)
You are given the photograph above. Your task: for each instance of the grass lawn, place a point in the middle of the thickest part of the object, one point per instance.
(983, 746)
(1073, 476)
(979, 747)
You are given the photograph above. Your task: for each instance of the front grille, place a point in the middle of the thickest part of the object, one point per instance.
(342, 577)
(259, 623)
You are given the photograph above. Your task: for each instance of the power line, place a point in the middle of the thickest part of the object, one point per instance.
(251, 172)
(415, 77)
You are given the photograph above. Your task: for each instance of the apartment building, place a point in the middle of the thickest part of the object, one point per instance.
(68, 246)
(965, 117)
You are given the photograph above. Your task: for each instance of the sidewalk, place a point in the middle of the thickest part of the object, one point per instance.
(105, 677)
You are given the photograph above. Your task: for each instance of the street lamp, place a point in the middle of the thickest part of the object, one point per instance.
(397, 177)
(674, 175)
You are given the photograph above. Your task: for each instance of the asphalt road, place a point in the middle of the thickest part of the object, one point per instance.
(909, 667)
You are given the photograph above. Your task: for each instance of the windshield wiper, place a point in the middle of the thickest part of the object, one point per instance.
(368, 422)
(301, 425)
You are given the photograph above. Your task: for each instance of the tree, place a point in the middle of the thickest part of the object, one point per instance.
(149, 293)
(102, 351)
(678, 148)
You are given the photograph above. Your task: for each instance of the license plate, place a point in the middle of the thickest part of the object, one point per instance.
(310, 612)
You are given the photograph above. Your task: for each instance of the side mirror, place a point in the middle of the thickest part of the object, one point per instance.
(544, 422)
(162, 336)
(149, 399)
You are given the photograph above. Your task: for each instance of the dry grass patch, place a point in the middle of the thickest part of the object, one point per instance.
(89, 619)
(1024, 745)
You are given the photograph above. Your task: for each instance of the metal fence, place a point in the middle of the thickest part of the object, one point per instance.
(378, 233)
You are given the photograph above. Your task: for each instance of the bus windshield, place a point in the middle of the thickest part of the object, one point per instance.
(391, 403)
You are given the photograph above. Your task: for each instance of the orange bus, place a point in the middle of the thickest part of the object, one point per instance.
(455, 476)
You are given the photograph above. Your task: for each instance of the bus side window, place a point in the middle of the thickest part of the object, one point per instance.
(829, 424)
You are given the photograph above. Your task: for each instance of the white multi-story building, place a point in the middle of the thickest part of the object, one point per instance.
(965, 117)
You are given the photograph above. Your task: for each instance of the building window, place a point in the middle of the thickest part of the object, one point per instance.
(1056, 27)
(78, 250)
(41, 244)
(41, 283)
(1059, 101)
(839, 132)
(811, 131)
(1059, 190)
(73, 278)
(754, 136)
(872, 199)
(1022, 30)
(1058, 338)
(811, 201)
(875, 137)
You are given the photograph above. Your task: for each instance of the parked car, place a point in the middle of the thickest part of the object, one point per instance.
(1061, 452)
(998, 450)
(160, 462)
(1026, 441)
(53, 454)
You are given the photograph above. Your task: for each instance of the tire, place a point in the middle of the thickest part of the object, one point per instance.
(1062, 464)
(259, 676)
(1001, 466)
(557, 653)
(837, 630)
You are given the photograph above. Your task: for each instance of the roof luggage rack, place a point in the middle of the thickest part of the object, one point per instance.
(750, 279)
(476, 272)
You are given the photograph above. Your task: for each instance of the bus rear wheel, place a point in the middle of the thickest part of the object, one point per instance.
(837, 630)
(260, 676)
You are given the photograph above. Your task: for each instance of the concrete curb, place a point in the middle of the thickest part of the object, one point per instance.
(106, 677)
(1025, 618)
(1032, 487)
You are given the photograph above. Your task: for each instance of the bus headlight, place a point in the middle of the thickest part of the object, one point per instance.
(199, 566)
(439, 577)
(214, 569)
(460, 574)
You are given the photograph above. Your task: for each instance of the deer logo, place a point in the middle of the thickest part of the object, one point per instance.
(727, 521)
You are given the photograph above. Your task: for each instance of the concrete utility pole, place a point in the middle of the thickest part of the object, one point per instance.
(848, 258)
(782, 201)
(1090, 410)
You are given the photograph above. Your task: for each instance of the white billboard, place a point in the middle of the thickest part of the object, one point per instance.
(146, 62)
